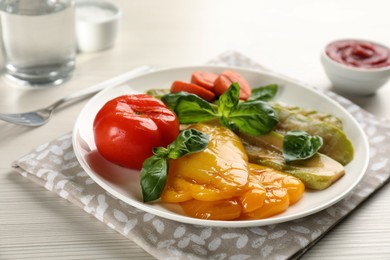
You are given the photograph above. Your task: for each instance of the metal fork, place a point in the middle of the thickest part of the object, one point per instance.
(42, 116)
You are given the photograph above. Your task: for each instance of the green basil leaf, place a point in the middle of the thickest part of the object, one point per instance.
(299, 145)
(189, 108)
(155, 169)
(264, 93)
(189, 141)
(172, 99)
(229, 100)
(153, 177)
(253, 117)
(190, 112)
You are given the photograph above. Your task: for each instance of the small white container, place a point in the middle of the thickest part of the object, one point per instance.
(354, 80)
(97, 24)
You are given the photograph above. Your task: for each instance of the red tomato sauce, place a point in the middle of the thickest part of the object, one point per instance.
(360, 54)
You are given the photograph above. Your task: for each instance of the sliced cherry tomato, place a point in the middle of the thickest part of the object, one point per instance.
(226, 78)
(178, 86)
(204, 79)
(127, 128)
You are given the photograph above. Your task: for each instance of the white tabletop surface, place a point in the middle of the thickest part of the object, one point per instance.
(286, 36)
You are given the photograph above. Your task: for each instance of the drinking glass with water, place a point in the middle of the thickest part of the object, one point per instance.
(38, 40)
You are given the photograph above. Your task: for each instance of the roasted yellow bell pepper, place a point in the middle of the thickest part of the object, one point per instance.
(219, 183)
(218, 172)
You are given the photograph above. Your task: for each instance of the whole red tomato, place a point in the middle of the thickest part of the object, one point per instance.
(127, 128)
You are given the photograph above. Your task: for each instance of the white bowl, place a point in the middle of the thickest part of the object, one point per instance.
(354, 80)
(97, 25)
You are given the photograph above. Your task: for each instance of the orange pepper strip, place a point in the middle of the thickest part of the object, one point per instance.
(268, 193)
(216, 210)
(267, 176)
(282, 189)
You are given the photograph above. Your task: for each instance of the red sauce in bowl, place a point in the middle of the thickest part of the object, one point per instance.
(359, 54)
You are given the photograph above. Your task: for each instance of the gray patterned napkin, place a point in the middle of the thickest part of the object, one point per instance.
(54, 166)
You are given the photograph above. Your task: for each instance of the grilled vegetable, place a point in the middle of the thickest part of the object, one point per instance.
(317, 172)
(218, 172)
(219, 183)
(336, 144)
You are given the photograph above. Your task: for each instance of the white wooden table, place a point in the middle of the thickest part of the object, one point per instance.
(286, 36)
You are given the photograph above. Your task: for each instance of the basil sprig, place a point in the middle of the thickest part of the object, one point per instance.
(265, 93)
(155, 168)
(254, 117)
(189, 108)
(299, 145)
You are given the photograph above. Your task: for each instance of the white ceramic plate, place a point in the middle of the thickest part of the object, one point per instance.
(124, 184)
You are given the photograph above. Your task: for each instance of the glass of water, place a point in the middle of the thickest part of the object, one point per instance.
(38, 40)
